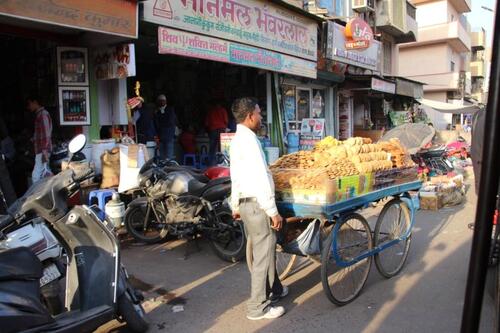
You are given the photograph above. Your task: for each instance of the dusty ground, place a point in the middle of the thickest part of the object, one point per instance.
(427, 296)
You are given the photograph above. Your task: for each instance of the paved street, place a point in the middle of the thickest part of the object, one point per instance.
(427, 296)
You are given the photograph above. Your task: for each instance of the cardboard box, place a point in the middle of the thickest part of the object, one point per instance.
(334, 191)
(432, 201)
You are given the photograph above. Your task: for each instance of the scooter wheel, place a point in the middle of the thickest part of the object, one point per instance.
(132, 313)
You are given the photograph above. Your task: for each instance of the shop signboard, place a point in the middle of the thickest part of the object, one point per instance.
(368, 58)
(358, 34)
(253, 22)
(115, 62)
(171, 41)
(116, 17)
(409, 88)
(383, 86)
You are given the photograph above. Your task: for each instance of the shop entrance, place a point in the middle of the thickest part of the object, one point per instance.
(29, 70)
(192, 86)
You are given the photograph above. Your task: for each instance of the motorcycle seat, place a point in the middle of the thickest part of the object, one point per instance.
(198, 188)
(196, 173)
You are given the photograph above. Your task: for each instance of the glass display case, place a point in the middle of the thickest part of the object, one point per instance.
(72, 66)
(74, 108)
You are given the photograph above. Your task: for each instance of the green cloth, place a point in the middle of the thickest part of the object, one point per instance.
(276, 134)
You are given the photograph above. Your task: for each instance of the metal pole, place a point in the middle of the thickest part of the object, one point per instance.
(490, 171)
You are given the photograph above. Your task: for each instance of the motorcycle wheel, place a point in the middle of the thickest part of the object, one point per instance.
(132, 313)
(155, 230)
(229, 244)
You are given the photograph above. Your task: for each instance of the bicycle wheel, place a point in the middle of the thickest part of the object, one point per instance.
(284, 261)
(392, 223)
(343, 284)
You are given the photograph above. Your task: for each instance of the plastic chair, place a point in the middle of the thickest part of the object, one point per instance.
(190, 160)
(100, 198)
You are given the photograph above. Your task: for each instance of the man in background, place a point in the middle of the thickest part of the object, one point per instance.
(166, 121)
(42, 138)
(216, 123)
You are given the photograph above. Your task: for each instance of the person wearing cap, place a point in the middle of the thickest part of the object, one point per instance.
(166, 121)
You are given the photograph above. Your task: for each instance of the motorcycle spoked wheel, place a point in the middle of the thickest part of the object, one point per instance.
(155, 230)
(229, 243)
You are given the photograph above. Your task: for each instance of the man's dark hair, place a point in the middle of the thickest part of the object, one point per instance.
(34, 97)
(242, 107)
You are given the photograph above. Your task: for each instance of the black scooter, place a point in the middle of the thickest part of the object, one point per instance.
(97, 287)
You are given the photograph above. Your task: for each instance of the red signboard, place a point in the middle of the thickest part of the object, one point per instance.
(117, 17)
(358, 34)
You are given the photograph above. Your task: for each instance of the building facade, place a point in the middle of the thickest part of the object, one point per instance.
(478, 65)
(441, 55)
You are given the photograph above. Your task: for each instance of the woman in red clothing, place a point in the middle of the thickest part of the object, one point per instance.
(187, 139)
(216, 123)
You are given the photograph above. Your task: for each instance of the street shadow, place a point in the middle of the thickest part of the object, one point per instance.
(176, 289)
(427, 296)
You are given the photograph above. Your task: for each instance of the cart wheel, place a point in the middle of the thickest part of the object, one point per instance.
(343, 284)
(284, 261)
(392, 223)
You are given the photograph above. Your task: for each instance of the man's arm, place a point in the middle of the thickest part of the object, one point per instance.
(265, 198)
(235, 186)
(45, 136)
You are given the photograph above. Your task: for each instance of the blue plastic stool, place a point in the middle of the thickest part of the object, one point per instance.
(191, 160)
(100, 198)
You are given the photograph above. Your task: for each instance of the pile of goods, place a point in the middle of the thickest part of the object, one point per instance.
(442, 191)
(332, 165)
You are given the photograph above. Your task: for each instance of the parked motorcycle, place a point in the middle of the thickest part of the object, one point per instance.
(97, 287)
(177, 203)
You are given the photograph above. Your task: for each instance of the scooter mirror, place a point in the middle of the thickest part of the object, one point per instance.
(77, 143)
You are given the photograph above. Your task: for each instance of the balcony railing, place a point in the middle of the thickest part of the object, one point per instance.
(452, 32)
(448, 81)
(477, 68)
(462, 6)
(478, 40)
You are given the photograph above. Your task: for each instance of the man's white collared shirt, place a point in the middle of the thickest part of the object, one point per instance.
(250, 176)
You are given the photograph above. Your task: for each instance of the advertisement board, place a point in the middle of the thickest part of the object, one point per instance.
(368, 57)
(252, 22)
(171, 41)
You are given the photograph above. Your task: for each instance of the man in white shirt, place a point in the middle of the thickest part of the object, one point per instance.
(252, 199)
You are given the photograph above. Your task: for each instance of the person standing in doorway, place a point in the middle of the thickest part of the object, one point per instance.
(42, 138)
(166, 121)
(252, 200)
(216, 123)
(144, 122)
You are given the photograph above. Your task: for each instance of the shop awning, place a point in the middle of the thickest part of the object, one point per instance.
(450, 108)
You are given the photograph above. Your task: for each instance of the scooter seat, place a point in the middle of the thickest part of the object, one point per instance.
(19, 264)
